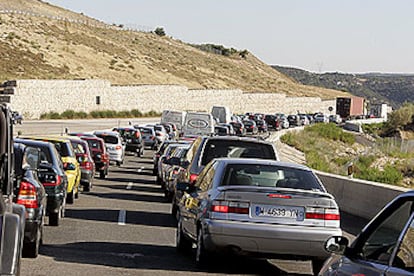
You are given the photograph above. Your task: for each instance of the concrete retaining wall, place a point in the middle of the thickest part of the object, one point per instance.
(35, 97)
(359, 197)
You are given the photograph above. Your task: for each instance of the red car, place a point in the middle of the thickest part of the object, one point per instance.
(99, 154)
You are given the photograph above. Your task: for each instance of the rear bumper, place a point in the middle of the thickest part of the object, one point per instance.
(86, 177)
(31, 229)
(118, 157)
(54, 202)
(133, 147)
(298, 242)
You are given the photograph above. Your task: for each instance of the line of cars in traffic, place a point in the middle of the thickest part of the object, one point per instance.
(232, 195)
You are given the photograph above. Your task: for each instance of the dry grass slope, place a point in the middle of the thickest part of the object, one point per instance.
(37, 47)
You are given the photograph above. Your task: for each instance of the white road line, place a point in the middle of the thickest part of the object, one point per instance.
(121, 217)
(129, 186)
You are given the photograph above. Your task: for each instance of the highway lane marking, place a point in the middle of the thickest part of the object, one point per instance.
(129, 186)
(121, 217)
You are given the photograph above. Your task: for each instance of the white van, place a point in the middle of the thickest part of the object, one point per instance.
(175, 117)
(221, 113)
(198, 123)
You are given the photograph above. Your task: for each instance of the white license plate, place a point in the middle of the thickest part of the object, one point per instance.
(271, 211)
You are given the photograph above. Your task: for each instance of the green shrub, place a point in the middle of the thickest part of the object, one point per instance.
(316, 161)
(68, 114)
(136, 113)
(331, 131)
(390, 175)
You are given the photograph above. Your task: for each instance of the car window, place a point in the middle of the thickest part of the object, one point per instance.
(379, 245)
(110, 139)
(236, 149)
(193, 149)
(77, 148)
(64, 149)
(205, 180)
(93, 144)
(270, 176)
(405, 253)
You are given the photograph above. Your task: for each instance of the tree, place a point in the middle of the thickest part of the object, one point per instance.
(159, 31)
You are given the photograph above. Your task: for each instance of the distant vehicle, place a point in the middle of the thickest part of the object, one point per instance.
(175, 117)
(198, 123)
(304, 119)
(350, 107)
(85, 160)
(239, 128)
(99, 154)
(222, 114)
(257, 208)
(335, 118)
(384, 246)
(149, 136)
(17, 117)
(133, 139)
(321, 118)
(261, 125)
(251, 127)
(115, 146)
(294, 120)
(272, 122)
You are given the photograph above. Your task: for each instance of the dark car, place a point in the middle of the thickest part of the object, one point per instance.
(160, 152)
(30, 193)
(149, 136)
(99, 154)
(239, 128)
(272, 121)
(384, 246)
(257, 207)
(52, 176)
(294, 120)
(250, 126)
(261, 125)
(85, 159)
(221, 131)
(205, 148)
(132, 138)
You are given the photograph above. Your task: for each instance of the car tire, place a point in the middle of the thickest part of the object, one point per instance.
(317, 266)
(183, 244)
(54, 218)
(31, 249)
(201, 254)
(118, 163)
(102, 174)
(70, 198)
(87, 187)
(77, 193)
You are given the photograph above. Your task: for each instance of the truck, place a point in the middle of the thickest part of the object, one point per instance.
(221, 114)
(198, 123)
(173, 116)
(350, 107)
(12, 215)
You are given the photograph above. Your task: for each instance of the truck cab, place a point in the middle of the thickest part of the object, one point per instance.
(12, 216)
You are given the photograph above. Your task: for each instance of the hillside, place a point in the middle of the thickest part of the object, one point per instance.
(70, 45)
(394, 89)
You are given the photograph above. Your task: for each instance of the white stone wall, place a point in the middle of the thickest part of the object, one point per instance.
(35, 97)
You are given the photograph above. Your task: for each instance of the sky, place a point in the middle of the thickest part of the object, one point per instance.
(350, 36)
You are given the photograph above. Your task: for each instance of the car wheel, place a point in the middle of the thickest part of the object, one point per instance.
(183, 245)
(317, 266)
(102, 174)
(31, 249)
(54, 218)
(201, 255)
(118, 163)
(70, 197)
(77, 193)
(87, 187)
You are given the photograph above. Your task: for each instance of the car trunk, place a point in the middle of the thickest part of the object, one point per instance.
(275, 206)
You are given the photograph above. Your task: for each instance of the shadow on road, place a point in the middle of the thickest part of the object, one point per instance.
(132, 197)
(151, 257)
(132, 217)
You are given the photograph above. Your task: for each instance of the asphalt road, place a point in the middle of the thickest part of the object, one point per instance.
(123, 226)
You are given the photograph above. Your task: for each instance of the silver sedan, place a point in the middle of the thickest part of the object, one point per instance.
(261, 208)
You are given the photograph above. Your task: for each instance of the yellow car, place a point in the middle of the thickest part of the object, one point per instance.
(70, 164)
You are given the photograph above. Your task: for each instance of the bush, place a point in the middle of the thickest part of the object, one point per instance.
(68, 114)
(316, 161)
(160, 31)
(390, 175)
(400, 118)
(331, 131)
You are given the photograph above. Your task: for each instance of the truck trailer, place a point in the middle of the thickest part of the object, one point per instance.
(350, 107)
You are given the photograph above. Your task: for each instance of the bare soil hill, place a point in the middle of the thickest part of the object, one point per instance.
(62, 44)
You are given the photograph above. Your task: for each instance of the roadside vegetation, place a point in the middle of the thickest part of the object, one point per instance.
(71, 114)
(381, 159)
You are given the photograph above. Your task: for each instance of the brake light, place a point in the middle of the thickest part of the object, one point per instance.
(52, 180)
(322, 214)
(118, 147)
(152, 137)
(27, 195)
(137, 134)
(279, 196)
(193, 178)
(87, 165)
(230, 207)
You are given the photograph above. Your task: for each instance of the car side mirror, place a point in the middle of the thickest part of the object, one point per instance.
(336, 244)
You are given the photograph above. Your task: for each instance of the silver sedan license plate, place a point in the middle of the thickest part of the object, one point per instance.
(271, 211)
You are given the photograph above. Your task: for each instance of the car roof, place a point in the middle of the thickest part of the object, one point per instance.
(236, 138)
(61, 139)
(33, 142)
(255, 161)
(106, 132)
